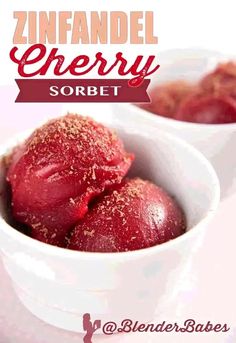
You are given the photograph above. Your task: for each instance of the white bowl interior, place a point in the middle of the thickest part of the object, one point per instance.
(186, 64)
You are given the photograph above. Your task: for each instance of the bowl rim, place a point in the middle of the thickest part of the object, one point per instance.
(183, 124)
(178, 124)
(55, 251)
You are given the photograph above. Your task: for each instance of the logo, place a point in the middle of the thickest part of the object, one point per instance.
(129, 326)
(89, 327)
(48, 34)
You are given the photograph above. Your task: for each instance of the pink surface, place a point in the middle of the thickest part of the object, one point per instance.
(208, 290)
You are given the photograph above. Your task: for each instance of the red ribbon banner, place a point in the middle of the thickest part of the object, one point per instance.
(82, 90)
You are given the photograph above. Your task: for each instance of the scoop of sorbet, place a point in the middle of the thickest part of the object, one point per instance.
(136, 214)
(166, 98)
(59, 169)
(215, 100)
(222, 81)
(207, 109)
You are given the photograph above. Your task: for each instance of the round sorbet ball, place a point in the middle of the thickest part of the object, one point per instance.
(221, 81)
(59, 169)
(136, 214)
(166, 98)
(207, 109)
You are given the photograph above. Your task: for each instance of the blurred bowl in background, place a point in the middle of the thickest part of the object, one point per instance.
(216, 141)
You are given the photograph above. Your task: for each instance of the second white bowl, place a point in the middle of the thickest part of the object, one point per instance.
(218, 141)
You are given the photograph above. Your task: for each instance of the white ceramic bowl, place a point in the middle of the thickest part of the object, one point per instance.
(59, 285)
(217, 142)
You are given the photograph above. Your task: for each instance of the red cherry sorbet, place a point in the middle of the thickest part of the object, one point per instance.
(165, 99)
(210, 101)
(59, 169)
(207, 109)
(221, 81)
(136, 214)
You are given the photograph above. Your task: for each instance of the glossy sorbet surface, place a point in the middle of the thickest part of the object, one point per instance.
(135, 214)
(210, 101)
(68, 187)
(59, 169)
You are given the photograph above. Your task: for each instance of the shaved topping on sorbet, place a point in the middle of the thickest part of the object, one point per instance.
(59, 169)
(136, 214)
